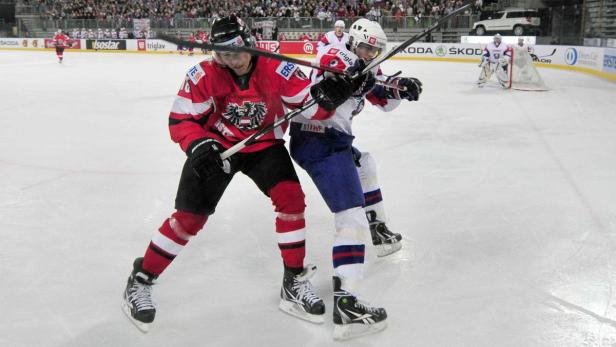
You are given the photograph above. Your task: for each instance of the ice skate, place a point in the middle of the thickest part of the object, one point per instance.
(297, 297)
(137, 304)
(385, 241)
(353, 318)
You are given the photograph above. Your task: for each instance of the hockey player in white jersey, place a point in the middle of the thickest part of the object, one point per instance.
(524, 45)
(336, 37)
(324, 148)
(495, 60)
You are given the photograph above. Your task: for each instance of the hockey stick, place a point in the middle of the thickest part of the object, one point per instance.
(247, 49)
(254, 137)
(413, 39)
(267, 54)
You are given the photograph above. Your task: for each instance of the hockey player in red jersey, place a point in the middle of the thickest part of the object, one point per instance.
(221, 102)
(60, 41)
(202, 38)
(192, 39)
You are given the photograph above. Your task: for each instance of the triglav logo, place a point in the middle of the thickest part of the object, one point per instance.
(571, 56)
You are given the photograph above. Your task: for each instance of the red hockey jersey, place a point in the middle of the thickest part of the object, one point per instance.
(60, 40)
(211, 103)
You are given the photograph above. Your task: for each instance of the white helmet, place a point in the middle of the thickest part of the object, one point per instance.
(497, 38)
(368, 32)
(339, 23)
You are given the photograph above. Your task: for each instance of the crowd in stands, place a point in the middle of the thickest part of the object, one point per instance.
(174, 9)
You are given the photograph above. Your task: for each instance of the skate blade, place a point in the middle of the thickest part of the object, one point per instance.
(143, 327)
(387, 249)
(293, 309)
(350, 331)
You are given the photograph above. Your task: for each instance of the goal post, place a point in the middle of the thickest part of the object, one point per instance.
(523, 75)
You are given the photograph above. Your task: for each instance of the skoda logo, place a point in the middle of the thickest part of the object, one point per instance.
(440, 51)
(571, 56)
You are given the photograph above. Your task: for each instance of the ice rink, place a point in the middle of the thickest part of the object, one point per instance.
(506, 201)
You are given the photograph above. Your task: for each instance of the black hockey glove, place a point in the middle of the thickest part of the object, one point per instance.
(364, 84)
(332, 91)
(204, 157)
(412, 85)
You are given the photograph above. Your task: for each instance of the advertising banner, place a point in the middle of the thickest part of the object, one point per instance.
(587, 57)
(156, 46)
(440, 50)
(10, 43)
(72, 44)
(271, 46)
(298, 47)
(106, 45)
(609, 61)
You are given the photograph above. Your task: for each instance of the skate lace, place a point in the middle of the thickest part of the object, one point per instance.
(305, 292)
(362, 305)
(141, 296)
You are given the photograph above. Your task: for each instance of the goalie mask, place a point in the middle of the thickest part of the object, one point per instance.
(367, 39)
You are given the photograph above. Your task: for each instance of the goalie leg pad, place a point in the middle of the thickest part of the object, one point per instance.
(502, 75)
(485, 74)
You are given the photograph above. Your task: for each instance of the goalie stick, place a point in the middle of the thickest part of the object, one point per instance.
(256, 136)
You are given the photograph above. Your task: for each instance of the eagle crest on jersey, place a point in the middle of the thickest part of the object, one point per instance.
(248, 116)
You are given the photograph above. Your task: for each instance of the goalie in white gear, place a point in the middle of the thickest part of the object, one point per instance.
(495, 60)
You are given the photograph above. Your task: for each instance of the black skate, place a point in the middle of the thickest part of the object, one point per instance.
(385, 241)
(297, 297)
(353, 318)
(137, 304)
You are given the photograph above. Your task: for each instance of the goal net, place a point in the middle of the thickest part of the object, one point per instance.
(522, 73)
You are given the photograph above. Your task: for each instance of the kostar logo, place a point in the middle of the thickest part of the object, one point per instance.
(106, 45)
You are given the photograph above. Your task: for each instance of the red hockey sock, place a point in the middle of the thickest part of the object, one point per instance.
(288, 199)
(170, 239)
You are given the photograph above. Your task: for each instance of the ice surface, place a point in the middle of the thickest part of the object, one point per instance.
(506, 200)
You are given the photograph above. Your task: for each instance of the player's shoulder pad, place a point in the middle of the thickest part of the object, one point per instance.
(286, 69)
(195, 73)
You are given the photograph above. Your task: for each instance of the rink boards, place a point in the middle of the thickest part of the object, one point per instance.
(598, 61)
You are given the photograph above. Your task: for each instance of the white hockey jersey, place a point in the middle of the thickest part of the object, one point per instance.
(341, 58)
(494, 52)
(330, 39)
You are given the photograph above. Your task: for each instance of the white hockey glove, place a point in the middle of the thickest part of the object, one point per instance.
(504, 61)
